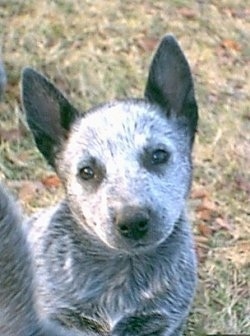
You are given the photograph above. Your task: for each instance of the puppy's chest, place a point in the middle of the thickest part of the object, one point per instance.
(104, 288)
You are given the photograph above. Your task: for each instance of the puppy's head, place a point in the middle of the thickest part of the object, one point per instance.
(125, 165)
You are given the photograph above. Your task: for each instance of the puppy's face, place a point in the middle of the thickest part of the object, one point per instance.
(125, 165)
(126, 169)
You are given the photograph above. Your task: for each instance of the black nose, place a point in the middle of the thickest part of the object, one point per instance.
(132, 222)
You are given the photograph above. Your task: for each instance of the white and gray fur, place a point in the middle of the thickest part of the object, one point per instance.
(116, 256)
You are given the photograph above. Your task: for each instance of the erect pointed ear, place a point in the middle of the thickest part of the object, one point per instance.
(170, 82)
(48, 112)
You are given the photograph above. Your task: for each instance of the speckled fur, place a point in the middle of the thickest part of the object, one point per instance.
(90, 278)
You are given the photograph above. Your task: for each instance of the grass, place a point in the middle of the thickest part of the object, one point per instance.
(95, 52)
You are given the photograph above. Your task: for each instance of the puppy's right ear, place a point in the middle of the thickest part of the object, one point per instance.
(170, 83)
(49, 114)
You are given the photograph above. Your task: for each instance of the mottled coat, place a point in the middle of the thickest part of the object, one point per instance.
(116, 256)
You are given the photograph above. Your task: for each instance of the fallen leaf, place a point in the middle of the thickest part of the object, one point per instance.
(231, 45)
(201, 240)
(204, 215)
(241, 13)
(199, 192)
(206, 205)
(204, 229)
(188, 13)
(51, 181)
(148, 44)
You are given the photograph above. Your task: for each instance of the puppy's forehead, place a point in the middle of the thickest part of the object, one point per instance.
(122, 121)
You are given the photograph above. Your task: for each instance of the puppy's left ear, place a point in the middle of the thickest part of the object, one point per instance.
(49, 114)
(170, 82)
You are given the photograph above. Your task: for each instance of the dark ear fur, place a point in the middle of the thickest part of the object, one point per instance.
(170, 82)
(49, 114)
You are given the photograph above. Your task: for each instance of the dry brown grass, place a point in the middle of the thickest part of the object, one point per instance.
(97, 50)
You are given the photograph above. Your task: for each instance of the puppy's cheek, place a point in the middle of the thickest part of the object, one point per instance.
(102, 225)
(105, 235)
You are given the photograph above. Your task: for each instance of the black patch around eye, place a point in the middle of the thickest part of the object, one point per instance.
(91, 170)
(155, 159)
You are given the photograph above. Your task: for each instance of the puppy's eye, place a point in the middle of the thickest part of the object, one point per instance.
(159, 156)
(86, 173)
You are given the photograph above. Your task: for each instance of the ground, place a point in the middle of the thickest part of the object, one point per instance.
(97, 50)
